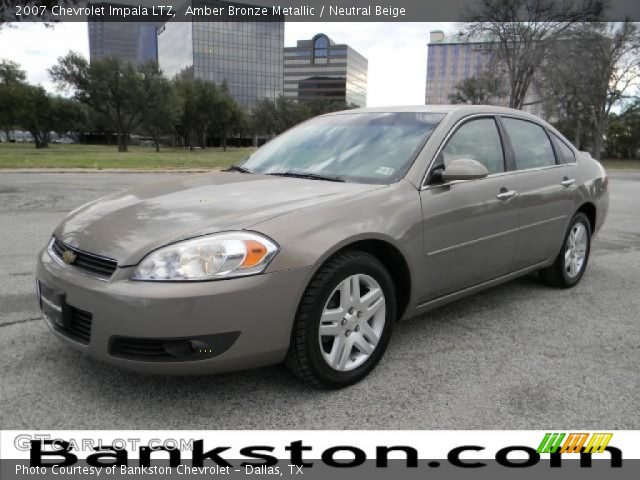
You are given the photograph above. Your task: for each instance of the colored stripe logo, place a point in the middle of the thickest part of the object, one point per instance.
(574, 442)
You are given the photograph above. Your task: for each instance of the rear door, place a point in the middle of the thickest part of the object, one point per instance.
(545, 181)
(470, 227)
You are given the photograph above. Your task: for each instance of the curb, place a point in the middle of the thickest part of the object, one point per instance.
(106, 170)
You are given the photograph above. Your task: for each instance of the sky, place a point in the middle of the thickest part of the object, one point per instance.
(397, 52)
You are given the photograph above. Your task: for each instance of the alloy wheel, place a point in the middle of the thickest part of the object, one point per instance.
(575, 250)
(352, 322)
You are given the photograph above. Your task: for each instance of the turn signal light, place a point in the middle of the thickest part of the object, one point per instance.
(256, 252)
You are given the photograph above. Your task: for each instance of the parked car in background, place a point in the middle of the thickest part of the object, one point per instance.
(63, 140)
(19, 136)
(311, 249)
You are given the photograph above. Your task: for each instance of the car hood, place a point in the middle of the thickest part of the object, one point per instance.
(126, 226)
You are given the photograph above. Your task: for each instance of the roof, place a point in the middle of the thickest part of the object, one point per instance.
(461, 38)
(437, 108)
(309, 41)
(408, 108)
(459, 109)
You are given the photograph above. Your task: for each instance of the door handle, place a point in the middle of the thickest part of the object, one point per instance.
(567, 182)
(506, 194)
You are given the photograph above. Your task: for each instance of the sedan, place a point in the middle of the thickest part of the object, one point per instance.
(311, 249)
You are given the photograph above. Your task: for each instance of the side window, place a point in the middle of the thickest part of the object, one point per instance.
(565, 154)
(478, 140)
(530, 143)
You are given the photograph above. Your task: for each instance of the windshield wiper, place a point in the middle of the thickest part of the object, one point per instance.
(310, 176)
(237, 168)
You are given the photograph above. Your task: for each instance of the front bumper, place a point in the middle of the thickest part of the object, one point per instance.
(259, 309)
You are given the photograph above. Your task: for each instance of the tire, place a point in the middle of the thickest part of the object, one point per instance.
(561, 274)
(316, 358)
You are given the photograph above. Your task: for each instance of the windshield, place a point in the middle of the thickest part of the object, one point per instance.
(357, 147)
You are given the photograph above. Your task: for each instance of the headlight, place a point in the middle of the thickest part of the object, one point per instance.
(222, 255)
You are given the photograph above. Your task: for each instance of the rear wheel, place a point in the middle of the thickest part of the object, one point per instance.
(344, 321)
(571, 262)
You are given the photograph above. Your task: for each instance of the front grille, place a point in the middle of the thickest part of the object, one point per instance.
(87, 262)
(79, 327)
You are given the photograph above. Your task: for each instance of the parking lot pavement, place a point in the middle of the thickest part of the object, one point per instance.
(521, 355)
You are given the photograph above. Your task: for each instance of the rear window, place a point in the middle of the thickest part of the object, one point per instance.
(565, 154)
(531, 145)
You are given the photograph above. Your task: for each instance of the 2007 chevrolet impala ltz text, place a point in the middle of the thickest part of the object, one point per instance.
(309, 250)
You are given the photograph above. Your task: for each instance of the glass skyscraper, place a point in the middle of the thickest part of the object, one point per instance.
(320, 68)
(246, 54)
(135, 42)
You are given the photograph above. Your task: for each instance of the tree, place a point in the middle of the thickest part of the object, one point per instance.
(110, 86)
(590, 75)
(160, 114)
(31, 108)
(198, 101)
(265, 117)
(320, 106)
(482, 89)
(562, 89)
(289, 113)
(40, 114)
(34, 113)
(184, 86)
(615, 53)
(97, 122)
(229, 117)
(273, 117)
(12, 78)
(205, 111)
(10, 72)
(68, 115)
(623, 140)
(521, 33)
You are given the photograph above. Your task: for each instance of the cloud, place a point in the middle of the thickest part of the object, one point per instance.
(36, 47)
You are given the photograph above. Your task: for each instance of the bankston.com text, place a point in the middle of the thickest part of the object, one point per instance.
(59, 455)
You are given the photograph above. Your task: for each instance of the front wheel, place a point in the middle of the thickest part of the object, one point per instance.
(344, 321)
(571, 262)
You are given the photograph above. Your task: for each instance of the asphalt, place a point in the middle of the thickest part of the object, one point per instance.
(519, 356)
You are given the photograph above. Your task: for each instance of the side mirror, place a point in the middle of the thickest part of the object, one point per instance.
(464, 169)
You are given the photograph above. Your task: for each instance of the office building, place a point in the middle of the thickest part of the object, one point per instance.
(135, 42)
(246, 54)
(320, 68)
(451, 59)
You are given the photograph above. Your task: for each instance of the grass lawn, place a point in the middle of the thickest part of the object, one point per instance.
(621, 164)
(25, 155)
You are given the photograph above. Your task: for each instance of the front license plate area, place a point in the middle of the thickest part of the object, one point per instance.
(53, 305)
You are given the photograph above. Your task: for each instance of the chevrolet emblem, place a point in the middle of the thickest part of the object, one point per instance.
(69, 257)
